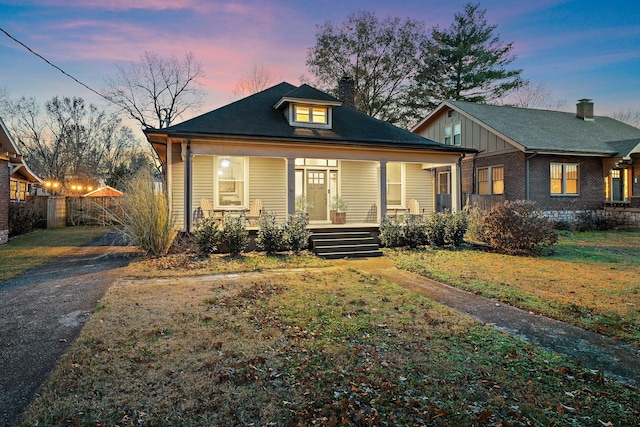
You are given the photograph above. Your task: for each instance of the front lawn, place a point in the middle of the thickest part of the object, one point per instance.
(321, 346)
(27, 251)
(591, 280)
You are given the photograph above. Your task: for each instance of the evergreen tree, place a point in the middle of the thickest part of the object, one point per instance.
(467, 61)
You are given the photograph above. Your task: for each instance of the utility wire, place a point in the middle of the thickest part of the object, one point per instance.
(54, 65)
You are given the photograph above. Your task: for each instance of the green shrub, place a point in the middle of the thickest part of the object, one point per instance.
(517, 227)
(434, 230)
(390, 232)
(270, 236)
(208, 235)
(235, 234)
(296, 234)
(143, 216)
(455, 227)
(414, 231)
(23, 218)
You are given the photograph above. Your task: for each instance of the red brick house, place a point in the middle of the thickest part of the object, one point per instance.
(15, 177)
(565, 162)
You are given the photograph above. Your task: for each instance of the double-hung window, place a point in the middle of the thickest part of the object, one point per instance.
(564, 178)
(453, 134)
(395, 187)
(231, 177)
(491, 180)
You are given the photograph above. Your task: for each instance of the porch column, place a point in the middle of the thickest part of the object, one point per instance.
(383, 190)
(188, 187)
(456, 194)
(291, 185)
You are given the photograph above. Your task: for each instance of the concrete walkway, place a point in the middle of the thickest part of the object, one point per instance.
(42, 313)
(615, 358)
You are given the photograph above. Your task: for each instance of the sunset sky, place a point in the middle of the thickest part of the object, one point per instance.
(578, 49)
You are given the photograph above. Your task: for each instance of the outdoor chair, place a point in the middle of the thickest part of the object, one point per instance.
(255, 211)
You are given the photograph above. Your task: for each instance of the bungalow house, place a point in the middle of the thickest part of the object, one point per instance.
(15, 177)
(565, 162)
(286, 143)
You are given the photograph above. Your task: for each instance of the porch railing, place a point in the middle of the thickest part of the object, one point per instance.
(484, 202)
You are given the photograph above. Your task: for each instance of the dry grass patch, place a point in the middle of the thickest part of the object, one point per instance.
(319, 347)
(592, 280)
(190, 264)
(27, 251)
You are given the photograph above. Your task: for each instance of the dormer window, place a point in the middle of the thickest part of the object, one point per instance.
(312, 115)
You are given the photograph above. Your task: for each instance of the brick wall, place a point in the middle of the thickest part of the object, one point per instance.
(514, 173)
(590, 181)
(4, 201)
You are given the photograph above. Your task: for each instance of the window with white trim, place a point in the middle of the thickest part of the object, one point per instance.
(311, 114)
(453, 134)
(563, 178)
(395, 184)
(490, 180)
(231, 181)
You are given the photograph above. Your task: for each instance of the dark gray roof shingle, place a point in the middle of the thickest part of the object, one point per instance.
(255, 117)
(545, 130)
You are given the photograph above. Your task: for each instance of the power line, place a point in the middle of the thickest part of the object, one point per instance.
(53, 65)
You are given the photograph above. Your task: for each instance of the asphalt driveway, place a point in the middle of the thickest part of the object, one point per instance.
(42, 313)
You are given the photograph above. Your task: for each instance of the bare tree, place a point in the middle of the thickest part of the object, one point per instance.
(71, 139)
(530, 95)
(381, 56)
(157, 90)
(629, 117)
(254, 80)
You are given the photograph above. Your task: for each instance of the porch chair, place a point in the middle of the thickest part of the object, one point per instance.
(414, 207)
(207, 207)
(255, 210)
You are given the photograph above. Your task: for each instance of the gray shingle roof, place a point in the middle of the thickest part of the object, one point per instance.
(545, 130)
(255, 117)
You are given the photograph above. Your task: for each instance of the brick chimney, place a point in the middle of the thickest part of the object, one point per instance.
(346, 91)
(585, 110)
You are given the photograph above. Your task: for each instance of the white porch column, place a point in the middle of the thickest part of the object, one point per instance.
(456, 194)
(188, 187)
(383, 191)
(291, 185)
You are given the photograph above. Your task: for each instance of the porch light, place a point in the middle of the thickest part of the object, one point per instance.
(225, 163)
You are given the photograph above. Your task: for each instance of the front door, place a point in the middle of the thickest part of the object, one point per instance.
(617, 186)
(317, 194)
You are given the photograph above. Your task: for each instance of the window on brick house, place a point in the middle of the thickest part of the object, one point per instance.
(490, 180)
(564, 178)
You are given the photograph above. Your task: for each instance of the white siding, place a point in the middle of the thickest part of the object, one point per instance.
(420, 186)
(177, 184)
(268, 182)
(202, 180)
(359, 187)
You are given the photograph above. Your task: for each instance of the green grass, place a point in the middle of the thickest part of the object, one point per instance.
(591, 279)
(24, 252)
(329, 346)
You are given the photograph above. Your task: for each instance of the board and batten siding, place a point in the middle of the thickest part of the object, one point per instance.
(420, 186)
(472, 134)
(268, 182)
(177, 185)
(359, 187)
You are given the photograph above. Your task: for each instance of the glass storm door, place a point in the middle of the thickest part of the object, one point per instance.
(317, 194)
